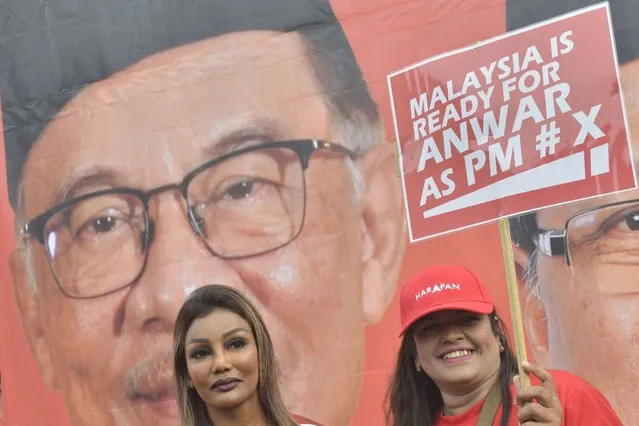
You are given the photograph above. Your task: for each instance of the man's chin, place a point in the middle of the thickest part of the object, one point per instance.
(165, 407)
(140, 412)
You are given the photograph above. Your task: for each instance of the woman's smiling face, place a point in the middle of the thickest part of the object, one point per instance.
(457, 349)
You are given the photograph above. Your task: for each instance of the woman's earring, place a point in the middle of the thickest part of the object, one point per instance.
(418, 366)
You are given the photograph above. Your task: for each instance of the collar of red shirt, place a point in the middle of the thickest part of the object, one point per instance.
(303, 421)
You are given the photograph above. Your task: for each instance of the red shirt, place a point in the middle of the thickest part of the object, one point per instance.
(581, 402)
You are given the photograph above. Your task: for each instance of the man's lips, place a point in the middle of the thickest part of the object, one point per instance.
(151, 382)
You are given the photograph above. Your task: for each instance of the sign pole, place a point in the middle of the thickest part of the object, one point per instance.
(513, 296)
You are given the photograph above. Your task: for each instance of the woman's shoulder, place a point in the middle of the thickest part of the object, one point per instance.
(566, 384)
(303, 421)
(569, 381)
(581, 401)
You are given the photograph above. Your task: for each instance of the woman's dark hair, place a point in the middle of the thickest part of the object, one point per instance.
(413, 398)
(201, 303)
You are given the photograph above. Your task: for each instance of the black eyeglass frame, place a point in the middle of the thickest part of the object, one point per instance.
(304, 148)
(554, 242)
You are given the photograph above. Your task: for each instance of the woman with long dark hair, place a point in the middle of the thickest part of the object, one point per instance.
(224, 363)
(455, 366)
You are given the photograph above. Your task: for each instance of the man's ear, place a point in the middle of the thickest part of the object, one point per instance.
(383, 229)
(533, 312)
(30, 315)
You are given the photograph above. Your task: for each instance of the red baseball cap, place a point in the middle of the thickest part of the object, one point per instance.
(442, 288)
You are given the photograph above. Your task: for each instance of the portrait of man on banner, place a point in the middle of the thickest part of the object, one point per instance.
(578, 262)
(153, 147)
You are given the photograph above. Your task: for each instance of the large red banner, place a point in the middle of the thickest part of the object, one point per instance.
(120, 93)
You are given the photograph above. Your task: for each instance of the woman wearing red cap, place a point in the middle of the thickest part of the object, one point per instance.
(455, 366)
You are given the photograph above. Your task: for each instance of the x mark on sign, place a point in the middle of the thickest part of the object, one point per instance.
(588, 126)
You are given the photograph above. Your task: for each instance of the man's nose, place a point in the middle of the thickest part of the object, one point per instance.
(178, 262)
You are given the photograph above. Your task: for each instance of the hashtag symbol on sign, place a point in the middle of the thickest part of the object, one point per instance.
(547, 139)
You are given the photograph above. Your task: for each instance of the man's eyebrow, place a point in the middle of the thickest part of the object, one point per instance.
(90, 177)
(241, 135)
(236, 135)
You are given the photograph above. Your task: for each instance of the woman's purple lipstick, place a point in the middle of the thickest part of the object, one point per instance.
(225, 385)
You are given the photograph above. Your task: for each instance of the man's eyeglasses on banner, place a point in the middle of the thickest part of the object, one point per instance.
(242, 204)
